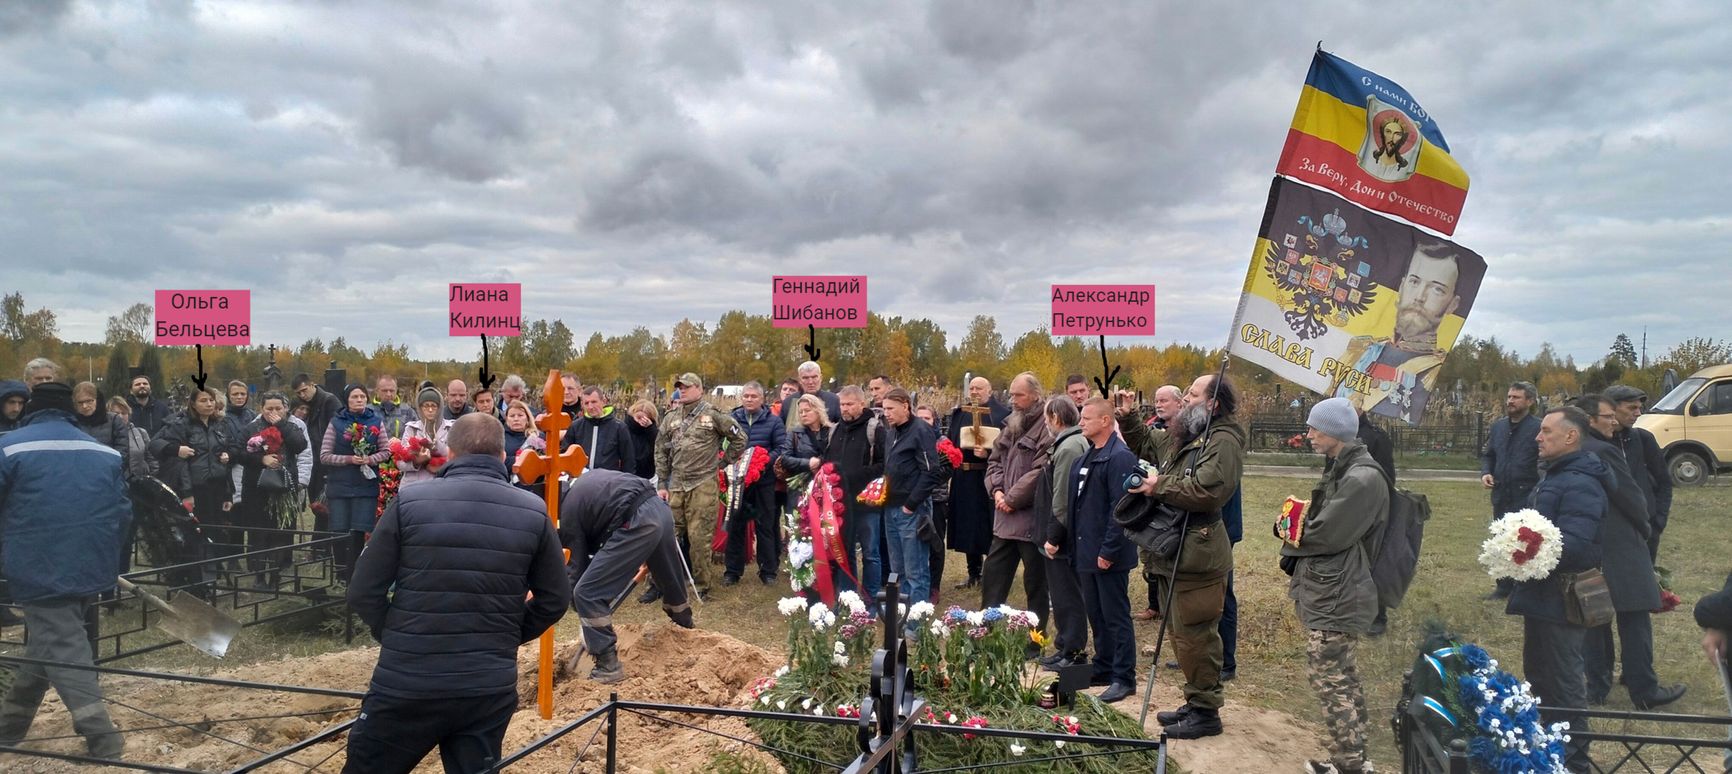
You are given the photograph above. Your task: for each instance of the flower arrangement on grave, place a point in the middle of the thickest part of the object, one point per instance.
(969, 667)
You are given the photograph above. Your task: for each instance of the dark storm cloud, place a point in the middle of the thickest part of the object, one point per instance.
(653, 161)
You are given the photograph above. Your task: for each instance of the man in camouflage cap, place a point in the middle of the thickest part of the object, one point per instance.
(691, 434)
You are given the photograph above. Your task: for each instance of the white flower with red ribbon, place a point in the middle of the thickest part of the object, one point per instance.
(1523, 546)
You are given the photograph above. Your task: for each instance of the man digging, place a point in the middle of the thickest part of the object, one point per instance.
(613, 523)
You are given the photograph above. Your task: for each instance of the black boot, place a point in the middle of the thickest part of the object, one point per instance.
(1169, 718)
(607, 668)
(1200, 723)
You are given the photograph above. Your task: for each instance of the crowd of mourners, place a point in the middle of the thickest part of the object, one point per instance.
(1071, 490)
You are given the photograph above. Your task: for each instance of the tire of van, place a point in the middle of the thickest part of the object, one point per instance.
(1688, 468)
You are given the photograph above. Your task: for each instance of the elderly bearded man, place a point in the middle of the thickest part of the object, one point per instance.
(1019, 457)
(1198, 460)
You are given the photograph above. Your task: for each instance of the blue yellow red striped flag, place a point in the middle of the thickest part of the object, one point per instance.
(1363, 137)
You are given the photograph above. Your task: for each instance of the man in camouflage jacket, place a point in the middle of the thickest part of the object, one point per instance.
(691, 435)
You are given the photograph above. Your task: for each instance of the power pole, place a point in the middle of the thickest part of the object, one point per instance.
(1644, 346)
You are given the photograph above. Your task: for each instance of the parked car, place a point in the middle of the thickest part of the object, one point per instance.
(1693, 424)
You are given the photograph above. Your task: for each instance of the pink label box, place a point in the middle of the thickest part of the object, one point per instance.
(1103, 310)
(204, 317)
(837, 301)
(486, 309)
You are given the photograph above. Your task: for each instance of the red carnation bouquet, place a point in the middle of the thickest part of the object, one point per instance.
(951, 455)
(268, 441)
(365, 440)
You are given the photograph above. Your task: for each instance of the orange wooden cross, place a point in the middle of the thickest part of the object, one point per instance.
(545, 465)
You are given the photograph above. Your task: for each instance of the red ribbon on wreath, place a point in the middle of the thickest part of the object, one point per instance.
(822, 513)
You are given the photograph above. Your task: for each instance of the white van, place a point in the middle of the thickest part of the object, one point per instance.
(731, 391)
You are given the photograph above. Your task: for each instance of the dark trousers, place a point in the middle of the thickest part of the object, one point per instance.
(1552, 664)
(1107, 596)
(646, 538)
(1229, 628)
(935, 556)
(1154, 599)
(759, 509)
(1000, 570)
(1636, 629)
(392, 734)
(55, 630)
(1070, 616)
(974, 565)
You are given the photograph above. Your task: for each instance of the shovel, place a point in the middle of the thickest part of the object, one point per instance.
(191, 620)
(613, 607)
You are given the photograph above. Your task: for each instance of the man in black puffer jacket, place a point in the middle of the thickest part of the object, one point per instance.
(602, 434)
(442, 584)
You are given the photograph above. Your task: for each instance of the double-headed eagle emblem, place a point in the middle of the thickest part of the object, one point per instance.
(1317, 266)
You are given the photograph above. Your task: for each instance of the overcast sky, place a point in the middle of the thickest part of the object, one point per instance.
(635, 163)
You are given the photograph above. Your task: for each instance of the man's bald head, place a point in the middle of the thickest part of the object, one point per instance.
(979, 389)
(456, 395)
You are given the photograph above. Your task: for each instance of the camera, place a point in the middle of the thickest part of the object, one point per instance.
(1135, 480)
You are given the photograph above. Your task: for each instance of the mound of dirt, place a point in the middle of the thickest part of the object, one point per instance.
(230, 726)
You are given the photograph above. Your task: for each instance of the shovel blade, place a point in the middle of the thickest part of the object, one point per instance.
(194, 622)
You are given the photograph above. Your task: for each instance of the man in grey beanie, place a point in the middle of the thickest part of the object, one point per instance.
(1331, 587)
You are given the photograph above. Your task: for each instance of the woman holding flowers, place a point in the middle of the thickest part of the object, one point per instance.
(269, 445)
(425, 436)
(353, 446)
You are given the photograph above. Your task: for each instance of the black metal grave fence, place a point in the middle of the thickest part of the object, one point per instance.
(1665, 750)
(294, 575)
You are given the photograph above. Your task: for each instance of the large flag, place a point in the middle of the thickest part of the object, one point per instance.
(1365, 138)
(1352, 304)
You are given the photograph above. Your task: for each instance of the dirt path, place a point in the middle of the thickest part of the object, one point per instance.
(1253, 740)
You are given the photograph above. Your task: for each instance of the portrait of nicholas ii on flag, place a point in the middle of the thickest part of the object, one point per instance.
(1403, 367)
(1349, 303)
(1392, 143)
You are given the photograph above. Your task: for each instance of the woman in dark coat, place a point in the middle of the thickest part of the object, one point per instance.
(810, 439)
(94, 419)
(641, 423)
(262, 508)
(195, 450)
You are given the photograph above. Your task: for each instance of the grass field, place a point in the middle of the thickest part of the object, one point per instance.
(1271, 644)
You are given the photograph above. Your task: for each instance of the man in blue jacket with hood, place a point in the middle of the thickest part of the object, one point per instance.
(63, 508)
(1572, 495)
(13, 393)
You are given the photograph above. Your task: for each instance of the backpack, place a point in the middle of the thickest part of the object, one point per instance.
(1397, 558)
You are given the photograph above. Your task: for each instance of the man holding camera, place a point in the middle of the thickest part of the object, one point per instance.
(1198, 460)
